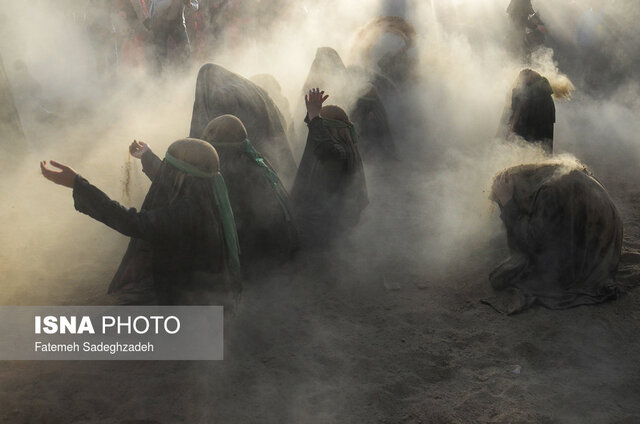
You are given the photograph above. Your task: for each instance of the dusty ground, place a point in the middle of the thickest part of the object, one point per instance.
(395, 341)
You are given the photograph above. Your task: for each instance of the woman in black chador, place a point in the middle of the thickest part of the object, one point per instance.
(329, 191)
(533, 112)
(221, 92)
(184, 246)
(564, 233)
(528, 30)
(264, 217)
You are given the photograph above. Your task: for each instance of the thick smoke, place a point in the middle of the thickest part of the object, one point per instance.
(429, 213)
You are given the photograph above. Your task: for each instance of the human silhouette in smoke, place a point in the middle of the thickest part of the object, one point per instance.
(184, 247)
(528, 30)
(166, 20)
(564, 234)
(533, 112)
(264, 218)
(329, 191)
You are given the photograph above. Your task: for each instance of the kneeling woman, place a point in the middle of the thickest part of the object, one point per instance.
(330, 191)
(184, 247)
(564, 233)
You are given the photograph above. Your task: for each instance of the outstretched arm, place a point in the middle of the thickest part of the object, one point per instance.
(153, 225)
(60, 174)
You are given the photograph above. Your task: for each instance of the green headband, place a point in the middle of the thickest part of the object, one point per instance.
(187, 168)
(334, 123)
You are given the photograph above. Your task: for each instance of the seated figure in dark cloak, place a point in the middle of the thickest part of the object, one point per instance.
(564, 233)
(358, 92)
(533, 112)
(374, 129)
(271, 85)
(329, 191)
(260, 203)
(184, 246)
(221, 92)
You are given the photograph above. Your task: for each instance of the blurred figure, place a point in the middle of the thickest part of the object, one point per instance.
(598, 63)
(590, 27)
(12, 137)
(101, 32)
(131, 33)
(358, 91)
(533, 112)
(28, 95)
(374, 130)
(184, 246)
(330, 190)
(166, 21)
(528, 30)
(214, 17)
(386, 45)
(565, 237)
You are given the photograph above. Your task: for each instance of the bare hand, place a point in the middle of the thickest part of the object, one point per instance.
(314, 101)
(138, 148)
(65, 177)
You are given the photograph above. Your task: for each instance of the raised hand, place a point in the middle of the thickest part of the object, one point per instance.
(65, 176)
(138, 148)
(314, 101)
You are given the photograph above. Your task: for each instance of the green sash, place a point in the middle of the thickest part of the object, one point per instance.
(221, 196)
(268, 172)
(334, 123)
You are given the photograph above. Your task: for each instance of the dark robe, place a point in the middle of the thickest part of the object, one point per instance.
(177, 252)
(330, 190)
(525, 21)
(519, 12)
(327, 72)
(534, 113)
(263, 215)
(220, 92)
(565, 237)
(356, 90)
(372, 123)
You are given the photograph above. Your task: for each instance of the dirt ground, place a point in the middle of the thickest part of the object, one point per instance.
(376, 336)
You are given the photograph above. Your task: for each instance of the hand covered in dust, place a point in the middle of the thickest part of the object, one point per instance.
(64, 175)
(502, 190)
(138, 148)
(314, 101)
